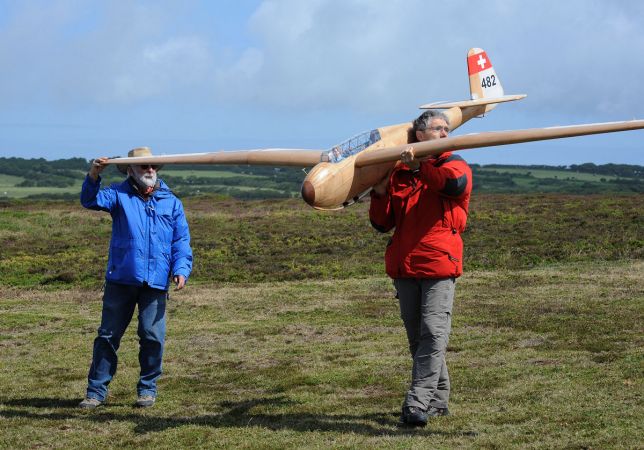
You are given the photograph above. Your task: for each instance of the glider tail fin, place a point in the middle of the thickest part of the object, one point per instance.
(485, 91)
(484, 82)
(485, 86)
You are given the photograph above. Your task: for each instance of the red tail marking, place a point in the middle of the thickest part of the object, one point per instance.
(477, 63)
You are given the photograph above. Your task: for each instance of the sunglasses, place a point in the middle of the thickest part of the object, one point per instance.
(147, 166)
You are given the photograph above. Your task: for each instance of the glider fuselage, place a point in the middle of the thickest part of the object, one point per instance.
(337, 182)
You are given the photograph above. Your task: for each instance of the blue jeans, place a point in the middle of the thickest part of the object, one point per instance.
(426, 311)
(119, 301)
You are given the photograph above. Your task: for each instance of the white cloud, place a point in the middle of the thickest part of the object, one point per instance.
(321, 53)
(360, 54)
(126, 56)
(569, 56)
(157, 69)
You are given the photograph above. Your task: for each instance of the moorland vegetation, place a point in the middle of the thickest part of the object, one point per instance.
(288, 334)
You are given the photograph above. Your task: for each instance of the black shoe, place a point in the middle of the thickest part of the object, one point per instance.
(437, 412)
(413, 416)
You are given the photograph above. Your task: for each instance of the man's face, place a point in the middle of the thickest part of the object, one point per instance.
(436, 129)
(145, 175)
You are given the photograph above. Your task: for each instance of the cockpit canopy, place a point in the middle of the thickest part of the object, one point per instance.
(353, 145)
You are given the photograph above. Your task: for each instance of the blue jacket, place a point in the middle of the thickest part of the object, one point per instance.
(150, 239)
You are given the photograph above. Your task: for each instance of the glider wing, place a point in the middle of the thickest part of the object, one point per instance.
(494, 138)
(266, 157)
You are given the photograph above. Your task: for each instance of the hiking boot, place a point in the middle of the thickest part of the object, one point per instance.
(90, 403)
(145, 401)
(437, 412)
(413, 416)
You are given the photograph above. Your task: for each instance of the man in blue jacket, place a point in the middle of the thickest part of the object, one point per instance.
(150, 244)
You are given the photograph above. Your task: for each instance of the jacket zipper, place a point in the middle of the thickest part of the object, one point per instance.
(415, 187)
(451, 213)
(148, 214)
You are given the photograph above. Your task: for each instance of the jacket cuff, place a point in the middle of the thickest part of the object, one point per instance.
(183, 273)
(89, 180)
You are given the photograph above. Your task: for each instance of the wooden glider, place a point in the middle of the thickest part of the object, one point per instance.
(346, 172)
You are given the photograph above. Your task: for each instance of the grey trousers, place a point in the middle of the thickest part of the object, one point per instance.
(426, 311)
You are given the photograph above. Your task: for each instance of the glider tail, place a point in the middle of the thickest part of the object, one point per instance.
(484, 82)
(485, 89)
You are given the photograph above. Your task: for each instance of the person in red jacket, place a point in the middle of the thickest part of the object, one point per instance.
(425, 200)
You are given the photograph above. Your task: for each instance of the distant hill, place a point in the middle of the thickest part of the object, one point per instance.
(39, 178)
(586, 178)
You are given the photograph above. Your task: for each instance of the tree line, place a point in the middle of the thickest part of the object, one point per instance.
(270, 182)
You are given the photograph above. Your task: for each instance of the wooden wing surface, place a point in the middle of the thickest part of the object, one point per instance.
(493, 138)
(266, 157)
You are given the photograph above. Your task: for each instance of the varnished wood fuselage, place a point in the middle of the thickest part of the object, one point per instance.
(335, 185)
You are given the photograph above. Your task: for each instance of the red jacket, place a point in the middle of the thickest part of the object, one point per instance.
(429, 211)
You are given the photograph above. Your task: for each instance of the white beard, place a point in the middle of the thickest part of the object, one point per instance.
(147, 180)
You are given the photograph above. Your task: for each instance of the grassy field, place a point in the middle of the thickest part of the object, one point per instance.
(541, 358)
(541, 174)
(288, 334)
(9, 190)
(205, 174)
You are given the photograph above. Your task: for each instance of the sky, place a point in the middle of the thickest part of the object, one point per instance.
(86, 78)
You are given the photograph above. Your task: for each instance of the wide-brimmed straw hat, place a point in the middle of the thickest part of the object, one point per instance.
(139, 151)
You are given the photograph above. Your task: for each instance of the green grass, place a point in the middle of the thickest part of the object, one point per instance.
(542, 173)
(241, 187)
(8, 188)
(8, 181)
(541, 358)
(205, 174)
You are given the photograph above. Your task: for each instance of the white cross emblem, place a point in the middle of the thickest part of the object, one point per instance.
(481, 62)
